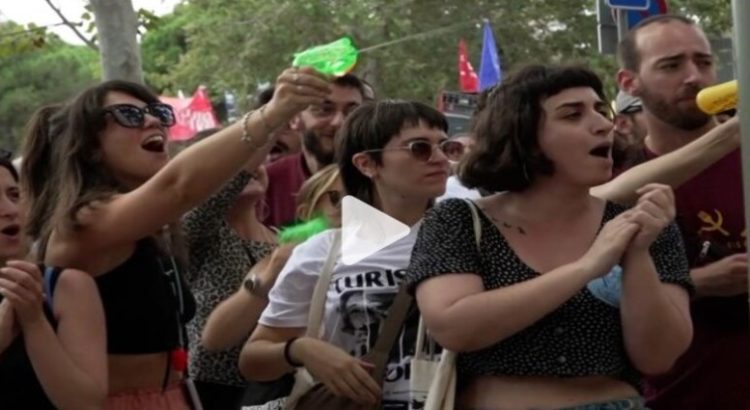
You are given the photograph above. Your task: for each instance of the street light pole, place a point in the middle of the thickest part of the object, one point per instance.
(741, 15)
(622, 23)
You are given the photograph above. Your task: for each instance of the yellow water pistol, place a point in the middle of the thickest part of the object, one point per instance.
(718, 98)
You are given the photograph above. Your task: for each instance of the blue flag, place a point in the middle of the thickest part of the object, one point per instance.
(489, 69)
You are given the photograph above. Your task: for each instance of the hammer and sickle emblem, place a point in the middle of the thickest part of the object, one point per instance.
(713, 225)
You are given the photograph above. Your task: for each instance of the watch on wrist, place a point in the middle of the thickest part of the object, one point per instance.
(252, 285)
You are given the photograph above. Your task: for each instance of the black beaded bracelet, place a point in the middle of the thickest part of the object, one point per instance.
(287, 356)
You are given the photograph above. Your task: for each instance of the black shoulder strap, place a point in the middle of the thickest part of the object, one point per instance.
(389, 331)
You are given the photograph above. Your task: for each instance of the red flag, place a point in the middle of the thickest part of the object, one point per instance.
(467, 78)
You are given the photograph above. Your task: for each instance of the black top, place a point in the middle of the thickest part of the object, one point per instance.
(140, 305)
(582, 337)
(19, 386)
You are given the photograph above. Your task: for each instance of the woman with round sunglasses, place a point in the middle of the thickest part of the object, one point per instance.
(393, 156)
(116, 192)
(566, 299)
(52, 341)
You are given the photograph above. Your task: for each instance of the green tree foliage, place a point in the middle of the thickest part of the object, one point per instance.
(715, 16)
(162, 49)
(16, 39)
(238, 44)
(37, 77)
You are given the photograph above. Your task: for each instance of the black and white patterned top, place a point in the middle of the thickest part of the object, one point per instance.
(582, 337)
(219, 261)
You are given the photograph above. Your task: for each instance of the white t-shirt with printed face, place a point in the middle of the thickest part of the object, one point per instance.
(357, 301)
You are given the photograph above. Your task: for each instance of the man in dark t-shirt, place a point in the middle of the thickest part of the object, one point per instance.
(665, 61)
(318, 125)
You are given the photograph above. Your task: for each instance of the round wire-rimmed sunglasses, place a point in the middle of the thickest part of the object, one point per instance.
(131, 116)
(423, 150)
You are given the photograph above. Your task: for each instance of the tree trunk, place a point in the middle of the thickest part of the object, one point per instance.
(117, 25)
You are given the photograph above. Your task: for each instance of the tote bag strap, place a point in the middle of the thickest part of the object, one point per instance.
(317, 305)
(476, 223)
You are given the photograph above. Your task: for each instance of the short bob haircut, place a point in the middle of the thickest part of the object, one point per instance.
(371, 126)
(507, 156)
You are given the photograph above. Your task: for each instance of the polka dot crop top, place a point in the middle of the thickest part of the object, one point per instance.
(582, 337)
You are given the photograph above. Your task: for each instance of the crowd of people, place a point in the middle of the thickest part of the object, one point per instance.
(571, 253)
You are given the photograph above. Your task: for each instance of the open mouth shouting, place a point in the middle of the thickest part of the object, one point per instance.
(11, 231)
(155, 143)
(603, 151)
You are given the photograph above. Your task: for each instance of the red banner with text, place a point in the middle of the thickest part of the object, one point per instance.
(192, 114)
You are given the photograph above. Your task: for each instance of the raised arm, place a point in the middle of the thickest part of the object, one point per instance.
(674, 168)
(71, 365)
(197, 172)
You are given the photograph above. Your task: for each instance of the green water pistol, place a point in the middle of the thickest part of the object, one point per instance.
(335, 59)
(301, 232)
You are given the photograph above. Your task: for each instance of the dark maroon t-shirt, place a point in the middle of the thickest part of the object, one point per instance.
(715, 371)
(285, 177)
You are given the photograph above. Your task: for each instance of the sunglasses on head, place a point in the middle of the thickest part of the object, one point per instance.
(423, 150)
(131, 116)
(5, 155)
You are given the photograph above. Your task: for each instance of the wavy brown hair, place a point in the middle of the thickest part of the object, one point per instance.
(83, 178)
(39, 191)
(507, 156)
(63, 159)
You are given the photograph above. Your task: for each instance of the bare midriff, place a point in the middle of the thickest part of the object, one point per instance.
(513, 392)
(139, 371)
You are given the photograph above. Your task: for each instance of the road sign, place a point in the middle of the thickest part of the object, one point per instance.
(629, 4)
(655, 7)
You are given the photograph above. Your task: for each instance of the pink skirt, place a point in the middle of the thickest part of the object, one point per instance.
(173, 398)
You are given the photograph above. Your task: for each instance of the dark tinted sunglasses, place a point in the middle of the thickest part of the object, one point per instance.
(130, 116)
(423, 150)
